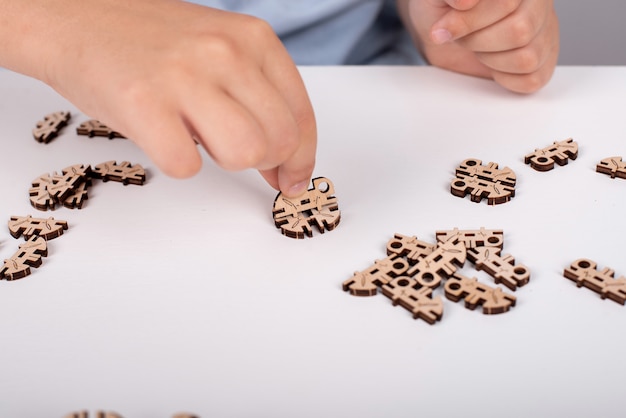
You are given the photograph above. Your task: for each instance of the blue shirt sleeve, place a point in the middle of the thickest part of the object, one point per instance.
(333, 32)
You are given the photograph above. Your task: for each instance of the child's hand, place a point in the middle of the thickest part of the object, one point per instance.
(167, 72)
(515, 42)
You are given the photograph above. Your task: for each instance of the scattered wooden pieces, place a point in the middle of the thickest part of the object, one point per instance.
(97, 414)
(613, 166)
(584, 272)
(124, 172)
(28, 226)
(51, 125)
(543, 159)
(316, 207)
(94, 127)
(492, 299)
(29, 255)
(68, 188)
(413, 270)
(496, 185)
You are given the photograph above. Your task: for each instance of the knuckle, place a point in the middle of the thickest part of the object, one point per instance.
(527, 61)
(522, 31)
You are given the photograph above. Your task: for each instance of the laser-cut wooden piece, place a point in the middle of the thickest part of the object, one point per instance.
(366, 282)
(97, 414)
(94, 127)
(185, 415)
(613, 166)
(543, 159)
(441, 263)
(50, 127)
(28, 226)
(124, 172)
(76, 198)
(66, 183)
(40, 198)
(496, 185)
(501, 268)
(584, 272)
(28, 255)
(473, 238)
(474, 293)
(409, 247)
(406, 292)
(318, 206)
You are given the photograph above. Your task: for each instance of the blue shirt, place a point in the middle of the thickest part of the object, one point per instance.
(333, 32)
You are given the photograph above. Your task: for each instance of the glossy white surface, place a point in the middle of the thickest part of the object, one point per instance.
(181, 295)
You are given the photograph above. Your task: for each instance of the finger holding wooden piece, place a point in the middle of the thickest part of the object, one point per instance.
(316, 207)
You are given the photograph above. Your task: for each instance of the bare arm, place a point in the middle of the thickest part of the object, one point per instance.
(166, 72)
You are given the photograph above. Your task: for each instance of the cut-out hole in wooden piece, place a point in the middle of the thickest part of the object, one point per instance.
(501, 268)
(584, 272)
(28, 226)
(124, 172)
(409, 247)
(492, 299)
(473, 238)
(430, 270)
(543, 159)
(612, 166)
(50, 127)
(366, 282)
(483, 182)
(94, 127)
(316, 207)
(28, 255)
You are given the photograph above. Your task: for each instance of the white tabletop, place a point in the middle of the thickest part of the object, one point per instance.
(183, 296)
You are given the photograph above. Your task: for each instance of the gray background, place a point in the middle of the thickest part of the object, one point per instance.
(592, 32)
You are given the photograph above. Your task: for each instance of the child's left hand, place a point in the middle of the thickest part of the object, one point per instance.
(514, 42)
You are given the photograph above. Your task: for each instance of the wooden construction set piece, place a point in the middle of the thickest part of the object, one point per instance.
(316, 207)
(109, 414)
(50, 127)
(36, 232)
(584, 272)
(94, 127)
(543, 159)
(480, 181)
(70, 187)
(612, 166)
(413, 270)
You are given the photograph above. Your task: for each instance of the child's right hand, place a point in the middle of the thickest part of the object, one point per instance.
(166, 72)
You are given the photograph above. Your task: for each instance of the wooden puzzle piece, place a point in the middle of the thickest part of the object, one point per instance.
(613, 166)
(51, 125)
(28, 226)
(97, 414)
(94, 127)
(28, 255)
(430, 270)
(406, 292)
(317, 206)
(76, 198)
(473, 238)
(124, 172)
(410, 247)
(543, 159)
(473, 167)
(492, 299)
(501, 268)
(479, 189)
(366, 282)
(39, 196)
(67, 182)
(584, 272)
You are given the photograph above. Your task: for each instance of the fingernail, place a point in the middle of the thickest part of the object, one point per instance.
(298, 188)
(441, 36)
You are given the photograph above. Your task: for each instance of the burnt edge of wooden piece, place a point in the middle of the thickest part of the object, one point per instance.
(543, 159)
(584, 272)
(497, 185)
(93, 128)
(52, 124)
(612, 166)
